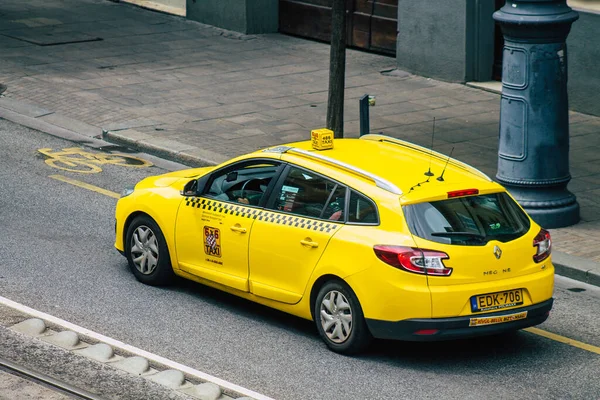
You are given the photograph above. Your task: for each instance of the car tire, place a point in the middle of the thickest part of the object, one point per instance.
(147, 252)
(339, 319)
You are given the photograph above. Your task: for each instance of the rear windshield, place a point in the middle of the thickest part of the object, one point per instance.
(469, 221)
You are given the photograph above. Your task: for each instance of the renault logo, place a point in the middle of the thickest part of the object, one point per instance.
(497, 252)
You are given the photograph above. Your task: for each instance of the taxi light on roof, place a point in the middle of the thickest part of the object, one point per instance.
(322, 139)
(464, 192)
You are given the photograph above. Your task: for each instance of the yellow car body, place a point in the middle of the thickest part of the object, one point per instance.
(280, 255)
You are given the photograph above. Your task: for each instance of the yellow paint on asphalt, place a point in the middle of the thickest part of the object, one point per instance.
(75, 159)
(86, 186)
(565, 340)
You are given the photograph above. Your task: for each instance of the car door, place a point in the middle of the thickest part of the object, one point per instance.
(212, 230)
(290, 235)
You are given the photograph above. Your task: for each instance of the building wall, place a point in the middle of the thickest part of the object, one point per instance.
(432, 38)
(245, 16)
(448, 41)
(583, 46)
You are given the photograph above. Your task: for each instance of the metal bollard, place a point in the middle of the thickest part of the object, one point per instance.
(364, 103)
(533, 155)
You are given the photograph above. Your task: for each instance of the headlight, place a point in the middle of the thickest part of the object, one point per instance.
(127, 191)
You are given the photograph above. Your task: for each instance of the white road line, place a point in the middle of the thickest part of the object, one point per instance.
(133, 350)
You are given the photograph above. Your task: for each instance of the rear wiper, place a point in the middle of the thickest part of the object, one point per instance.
(459, 234)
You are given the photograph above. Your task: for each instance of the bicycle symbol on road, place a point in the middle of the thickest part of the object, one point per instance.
(75, 159)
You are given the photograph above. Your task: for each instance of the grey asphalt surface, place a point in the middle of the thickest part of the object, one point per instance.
(58, 257)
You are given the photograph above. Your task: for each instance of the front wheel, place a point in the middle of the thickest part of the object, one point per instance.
(147, 252)
(340, 320)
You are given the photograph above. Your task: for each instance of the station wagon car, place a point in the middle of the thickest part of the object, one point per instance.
(374, 238)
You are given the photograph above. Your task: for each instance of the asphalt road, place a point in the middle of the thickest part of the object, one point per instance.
(57, 256)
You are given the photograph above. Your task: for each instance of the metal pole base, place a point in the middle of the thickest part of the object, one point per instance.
(549, 207)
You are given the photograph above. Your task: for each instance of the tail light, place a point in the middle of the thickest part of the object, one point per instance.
(411, 259)
(543, 242)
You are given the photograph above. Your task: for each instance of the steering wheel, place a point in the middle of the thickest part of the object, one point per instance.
(250, 181)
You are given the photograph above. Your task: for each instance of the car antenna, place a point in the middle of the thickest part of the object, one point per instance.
(429, 173)
(441, 177)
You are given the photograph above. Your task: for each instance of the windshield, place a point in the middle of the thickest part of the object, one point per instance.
(471, 221)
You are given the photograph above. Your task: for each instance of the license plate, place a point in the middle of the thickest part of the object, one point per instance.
(497, 320)
(497, 301)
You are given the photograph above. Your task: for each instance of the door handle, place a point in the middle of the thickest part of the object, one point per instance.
(238, 228)
(309, 243)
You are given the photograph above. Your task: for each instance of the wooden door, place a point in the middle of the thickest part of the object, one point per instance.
(371, 24)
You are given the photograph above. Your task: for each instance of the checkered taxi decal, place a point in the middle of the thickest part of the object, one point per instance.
(261, 215)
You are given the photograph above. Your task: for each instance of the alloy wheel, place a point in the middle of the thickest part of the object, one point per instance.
(336, 316)
(144, 250)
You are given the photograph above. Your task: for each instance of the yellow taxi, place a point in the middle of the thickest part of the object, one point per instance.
(373, 238)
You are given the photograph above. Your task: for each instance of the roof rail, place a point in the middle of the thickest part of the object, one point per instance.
(399, 142)
(379, 182)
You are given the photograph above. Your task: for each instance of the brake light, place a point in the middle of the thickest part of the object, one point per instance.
(464, 192)
(543, 242)
(411, 259)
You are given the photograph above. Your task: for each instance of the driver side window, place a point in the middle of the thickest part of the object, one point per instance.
(244, 183)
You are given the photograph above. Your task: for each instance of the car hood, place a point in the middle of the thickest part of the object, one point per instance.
(171, 178)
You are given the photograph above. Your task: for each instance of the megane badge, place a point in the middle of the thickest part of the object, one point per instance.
(497, 252)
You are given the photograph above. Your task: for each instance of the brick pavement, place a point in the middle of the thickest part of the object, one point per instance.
(201, 92)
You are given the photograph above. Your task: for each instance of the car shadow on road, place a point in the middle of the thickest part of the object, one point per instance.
(471, 353)
(477, 350)
(246, 308)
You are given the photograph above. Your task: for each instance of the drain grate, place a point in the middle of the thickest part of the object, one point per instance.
(49, 36)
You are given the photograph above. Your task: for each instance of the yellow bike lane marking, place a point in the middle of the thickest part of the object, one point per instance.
(75, 159)
(86, 186)
(535, 331)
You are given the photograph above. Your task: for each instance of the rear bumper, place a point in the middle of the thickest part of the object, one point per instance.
(457, 327)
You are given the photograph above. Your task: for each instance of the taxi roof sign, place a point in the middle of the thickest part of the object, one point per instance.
(322, 139)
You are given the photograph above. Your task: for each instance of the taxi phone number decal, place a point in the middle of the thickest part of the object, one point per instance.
(212, 241)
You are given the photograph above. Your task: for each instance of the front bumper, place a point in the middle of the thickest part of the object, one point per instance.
(457, 327)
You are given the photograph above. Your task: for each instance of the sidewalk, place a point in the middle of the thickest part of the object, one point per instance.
(201, 95)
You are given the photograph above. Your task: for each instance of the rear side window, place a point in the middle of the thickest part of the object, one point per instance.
(311, 195)
(473, 220)
(361, 209)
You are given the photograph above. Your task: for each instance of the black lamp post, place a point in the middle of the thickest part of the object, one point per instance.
(533, 156)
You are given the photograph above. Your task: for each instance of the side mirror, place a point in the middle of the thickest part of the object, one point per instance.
(232, 176)
(195, 187)
(190, 188)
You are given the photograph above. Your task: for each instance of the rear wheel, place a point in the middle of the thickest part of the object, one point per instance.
(147, 252)
(340, 320)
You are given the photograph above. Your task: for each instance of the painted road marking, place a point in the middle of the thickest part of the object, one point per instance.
(565, 340)
(133, 350)
(86, 186)
(75, 159)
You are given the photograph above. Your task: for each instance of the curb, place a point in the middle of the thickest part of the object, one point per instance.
(577, 268)
(96, 347)
(193, 156)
